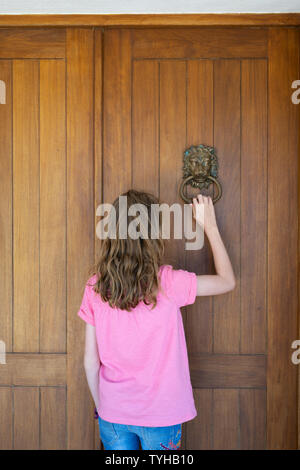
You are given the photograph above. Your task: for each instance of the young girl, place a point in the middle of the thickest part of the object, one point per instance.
(136, 359)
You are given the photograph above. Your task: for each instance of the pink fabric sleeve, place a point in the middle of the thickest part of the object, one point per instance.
(181, 285)
(86, 310)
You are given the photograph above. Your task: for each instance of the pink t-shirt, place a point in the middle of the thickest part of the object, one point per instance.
(144, 377)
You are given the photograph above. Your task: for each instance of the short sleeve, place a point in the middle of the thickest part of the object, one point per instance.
(86, 309)
(181, 285)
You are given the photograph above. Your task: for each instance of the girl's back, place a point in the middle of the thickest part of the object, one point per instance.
(144, 375)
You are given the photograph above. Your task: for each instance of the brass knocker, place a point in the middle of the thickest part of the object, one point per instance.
(200, 169)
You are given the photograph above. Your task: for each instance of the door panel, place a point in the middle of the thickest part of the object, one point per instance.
(227, 133)
(208, 42)
(25, 195)
(33, 43)
(254, 202)
(165, 90)
(52, 225)
(77, 129)
(283, 213)
(33, 313)
(47, 235)
(80, 226)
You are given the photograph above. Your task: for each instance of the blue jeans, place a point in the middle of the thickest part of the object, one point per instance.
(128, 437)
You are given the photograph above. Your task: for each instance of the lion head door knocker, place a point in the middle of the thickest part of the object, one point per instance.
(200, 169)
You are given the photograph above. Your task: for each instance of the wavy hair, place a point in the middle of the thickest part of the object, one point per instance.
(127, 268)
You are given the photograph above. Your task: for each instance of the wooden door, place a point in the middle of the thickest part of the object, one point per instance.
(164, 90)
(46, 134)
(67, 144)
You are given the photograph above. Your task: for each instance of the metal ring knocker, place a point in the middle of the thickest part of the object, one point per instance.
(200, 169)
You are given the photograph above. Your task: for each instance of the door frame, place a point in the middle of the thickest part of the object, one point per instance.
(83, 28)
(142, 20)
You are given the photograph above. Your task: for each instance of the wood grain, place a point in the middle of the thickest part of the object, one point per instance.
(26, 205)
(6, 418)
(253, 419)
(32, 43)
(226, 419)
(198, 43)
(145, 126)
(163, 90)
(80, 225)
(117, 164)
(53, 418)
(283, 152)
(52, 207)
(142, 20)
(298, 292)
(171, 144)
(98, 160)
(26, 418)
(199, 434)
(227, 124)
(34, 369)
(254, 217)
(228, 370)
(98, 126)
(6, 208)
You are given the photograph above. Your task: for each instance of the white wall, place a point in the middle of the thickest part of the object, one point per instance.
(15, 7)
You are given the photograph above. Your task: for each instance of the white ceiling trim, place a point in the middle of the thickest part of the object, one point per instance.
(19, 7)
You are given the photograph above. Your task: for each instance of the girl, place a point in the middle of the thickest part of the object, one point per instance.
(135, 358)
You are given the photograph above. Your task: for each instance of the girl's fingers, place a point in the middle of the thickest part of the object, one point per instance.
(201, 199)
(193, 205)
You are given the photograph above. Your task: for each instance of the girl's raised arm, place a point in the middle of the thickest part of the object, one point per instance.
(224, 280)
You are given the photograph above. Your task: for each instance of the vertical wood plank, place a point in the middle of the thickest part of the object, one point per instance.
(199, 320)
(172, 144)
(26, 204)
(98, 141)
(253, 419)
(53, 418)
(226, 419)
(52, 207)
(199, 430)
(98, 123)
(80, 226)
(298, 260)
(283, 217)
(26, 418)
(254, 192)
(117, 166)
(6, 207)
(227, 145)
(6, 418)
(145, 126)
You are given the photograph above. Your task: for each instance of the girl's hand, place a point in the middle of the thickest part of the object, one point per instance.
(209, 220)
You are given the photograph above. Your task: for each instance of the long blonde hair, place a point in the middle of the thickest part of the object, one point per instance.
(127, 269)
